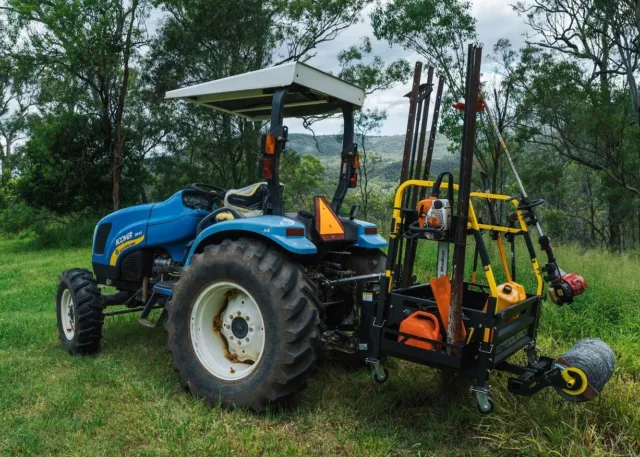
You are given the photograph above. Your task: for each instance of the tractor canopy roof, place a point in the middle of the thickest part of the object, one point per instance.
(311, 92)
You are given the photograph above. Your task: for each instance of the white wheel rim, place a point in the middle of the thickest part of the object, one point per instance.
(67, 311)
(227, 331)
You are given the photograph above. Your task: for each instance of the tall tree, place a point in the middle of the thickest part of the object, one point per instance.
(16, 96)
(90, 45)
(439, 31)
(504, 94)
(565, 111)
(366, 124)
(601, 39)
(599, 33)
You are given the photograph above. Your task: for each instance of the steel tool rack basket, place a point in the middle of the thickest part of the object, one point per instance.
(492, 336)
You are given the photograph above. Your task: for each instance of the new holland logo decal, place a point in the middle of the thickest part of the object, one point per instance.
(122, 246)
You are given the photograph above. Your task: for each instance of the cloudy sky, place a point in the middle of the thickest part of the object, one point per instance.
(496, 20)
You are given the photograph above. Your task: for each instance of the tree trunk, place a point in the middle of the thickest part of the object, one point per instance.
(592, 209)
(122, 98)
(3, 156)
(638, 222)
(615, 220)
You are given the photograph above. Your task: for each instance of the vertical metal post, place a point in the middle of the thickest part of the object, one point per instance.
(434, 128)
(432, 135)
(414, 145)
(464, 191)
(411, 197)
(346, 165)
(276, 127)
(408, 141)
(423, 132)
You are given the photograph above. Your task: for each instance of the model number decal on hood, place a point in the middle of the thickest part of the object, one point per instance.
(123, 246)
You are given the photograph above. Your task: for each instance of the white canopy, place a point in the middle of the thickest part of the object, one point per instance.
(311, 92)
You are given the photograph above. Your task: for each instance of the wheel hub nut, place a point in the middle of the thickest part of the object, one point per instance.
(239, 327)
(244, 341)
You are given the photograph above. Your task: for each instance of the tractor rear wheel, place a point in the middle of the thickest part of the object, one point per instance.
(242, 325)
(79, 312)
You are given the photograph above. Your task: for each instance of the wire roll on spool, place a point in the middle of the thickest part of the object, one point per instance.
(593, 358)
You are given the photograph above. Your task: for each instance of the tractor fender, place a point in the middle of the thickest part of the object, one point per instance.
(369, 241)
(271, 228)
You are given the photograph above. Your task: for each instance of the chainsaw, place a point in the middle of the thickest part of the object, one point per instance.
(434, 215)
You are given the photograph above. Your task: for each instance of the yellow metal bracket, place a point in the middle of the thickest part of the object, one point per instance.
(473, 224)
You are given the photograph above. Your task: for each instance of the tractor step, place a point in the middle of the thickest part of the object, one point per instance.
(144, 317)
(164, 288)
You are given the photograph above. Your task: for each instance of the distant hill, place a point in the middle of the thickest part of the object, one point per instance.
(390, 148)
(328, 145)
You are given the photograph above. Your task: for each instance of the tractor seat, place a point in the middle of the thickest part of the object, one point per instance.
(248, 201)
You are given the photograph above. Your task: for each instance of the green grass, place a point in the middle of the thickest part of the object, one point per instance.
(127, 399)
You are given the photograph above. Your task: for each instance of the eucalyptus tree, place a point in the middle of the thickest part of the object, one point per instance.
(85, 51)
(438, 30)
(592, 55)
(16, 97)
(603, 35)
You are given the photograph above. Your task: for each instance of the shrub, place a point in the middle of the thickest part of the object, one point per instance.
(78, 233)
(17, 218)
(75, 230)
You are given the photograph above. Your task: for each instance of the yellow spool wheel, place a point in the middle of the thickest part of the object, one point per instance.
(576, 381)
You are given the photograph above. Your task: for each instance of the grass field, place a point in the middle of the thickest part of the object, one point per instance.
(127, 399)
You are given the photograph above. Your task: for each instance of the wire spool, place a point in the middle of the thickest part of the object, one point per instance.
(592, 358)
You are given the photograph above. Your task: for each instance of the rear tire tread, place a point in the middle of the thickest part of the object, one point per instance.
(297, 317)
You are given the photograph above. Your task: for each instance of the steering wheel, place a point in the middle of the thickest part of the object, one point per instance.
(208, 188)
(530, 205)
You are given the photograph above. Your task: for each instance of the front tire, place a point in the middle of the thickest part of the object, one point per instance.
(79, 312)
(242, 325)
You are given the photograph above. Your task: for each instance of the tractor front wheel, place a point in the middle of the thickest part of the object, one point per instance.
(242, 324)
(79, 312)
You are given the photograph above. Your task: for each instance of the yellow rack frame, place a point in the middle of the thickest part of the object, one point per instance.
(398, 223)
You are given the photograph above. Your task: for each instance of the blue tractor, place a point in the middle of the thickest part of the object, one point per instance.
(250, 295)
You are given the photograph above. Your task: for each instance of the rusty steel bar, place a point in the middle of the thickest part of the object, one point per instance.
(411, 199)
(423, 132)
(396, 255)
(434, 128)
(464, 191)
(432, 135)
(408, 141)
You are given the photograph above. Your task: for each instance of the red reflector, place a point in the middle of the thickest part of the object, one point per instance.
(267, 168)
(371, 231)
(295, 232)
(353, 183)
